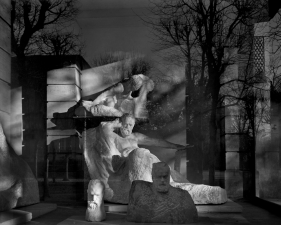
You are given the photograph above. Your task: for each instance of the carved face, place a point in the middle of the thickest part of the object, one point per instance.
(96, 192)
(127, 126)
(161, 177)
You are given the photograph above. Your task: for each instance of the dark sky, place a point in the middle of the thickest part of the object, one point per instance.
(114, 25)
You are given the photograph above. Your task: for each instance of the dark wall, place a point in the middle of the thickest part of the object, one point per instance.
(30, 73)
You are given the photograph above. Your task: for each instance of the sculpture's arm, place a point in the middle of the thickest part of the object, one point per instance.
(148, 141)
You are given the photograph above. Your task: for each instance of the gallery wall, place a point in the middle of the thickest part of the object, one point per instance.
(5, 66)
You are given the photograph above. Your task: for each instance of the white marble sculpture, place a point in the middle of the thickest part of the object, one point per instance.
(113, 155)
(95, 210)
(118, 100)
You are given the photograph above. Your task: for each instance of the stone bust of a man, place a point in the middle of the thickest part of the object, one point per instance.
(95, 210)
(161, 177)
(159, 202)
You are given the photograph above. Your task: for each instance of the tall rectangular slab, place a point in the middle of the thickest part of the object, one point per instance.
(68, 75)
(5, 37)
(63, 92)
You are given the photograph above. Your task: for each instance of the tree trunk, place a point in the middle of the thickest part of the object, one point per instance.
(213, 132)
(212, 149)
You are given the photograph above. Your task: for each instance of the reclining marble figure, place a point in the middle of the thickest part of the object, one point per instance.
(159, 202)
(113, 155)
(118, 100)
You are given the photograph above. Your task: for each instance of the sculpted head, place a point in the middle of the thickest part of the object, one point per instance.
(161, 177)
(96, 190)
(128, 123)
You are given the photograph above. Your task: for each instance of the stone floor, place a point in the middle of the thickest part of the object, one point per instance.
(251, 214)
(258, 216)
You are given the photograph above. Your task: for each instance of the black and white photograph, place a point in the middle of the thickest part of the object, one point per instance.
(140, 112)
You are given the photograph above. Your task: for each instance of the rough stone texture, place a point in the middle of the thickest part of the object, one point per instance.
(175, 206)
(105, 163)
(203, 194)
(18, 186)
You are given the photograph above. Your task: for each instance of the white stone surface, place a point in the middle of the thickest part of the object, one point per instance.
(67, 75)
(63, 92)
(97, 79)
(203, 194)
(16, 123)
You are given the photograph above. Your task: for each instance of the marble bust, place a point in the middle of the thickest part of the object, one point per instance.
(159, 202)
(95, 211)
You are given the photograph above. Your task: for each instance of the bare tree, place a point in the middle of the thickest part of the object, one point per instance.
(110, 57)
(30, 17)
(59, 43)
(31, 23)
(129, 63)
(211, 27)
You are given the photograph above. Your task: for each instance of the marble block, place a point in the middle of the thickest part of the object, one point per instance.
(63, 92)
(67, 75)
(5, 37)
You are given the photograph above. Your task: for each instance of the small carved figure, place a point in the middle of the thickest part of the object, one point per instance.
(95, 210)
(159, 202)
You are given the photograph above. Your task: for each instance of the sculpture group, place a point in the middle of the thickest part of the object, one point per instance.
(126, 97)
(156, 202)
(115, 156)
